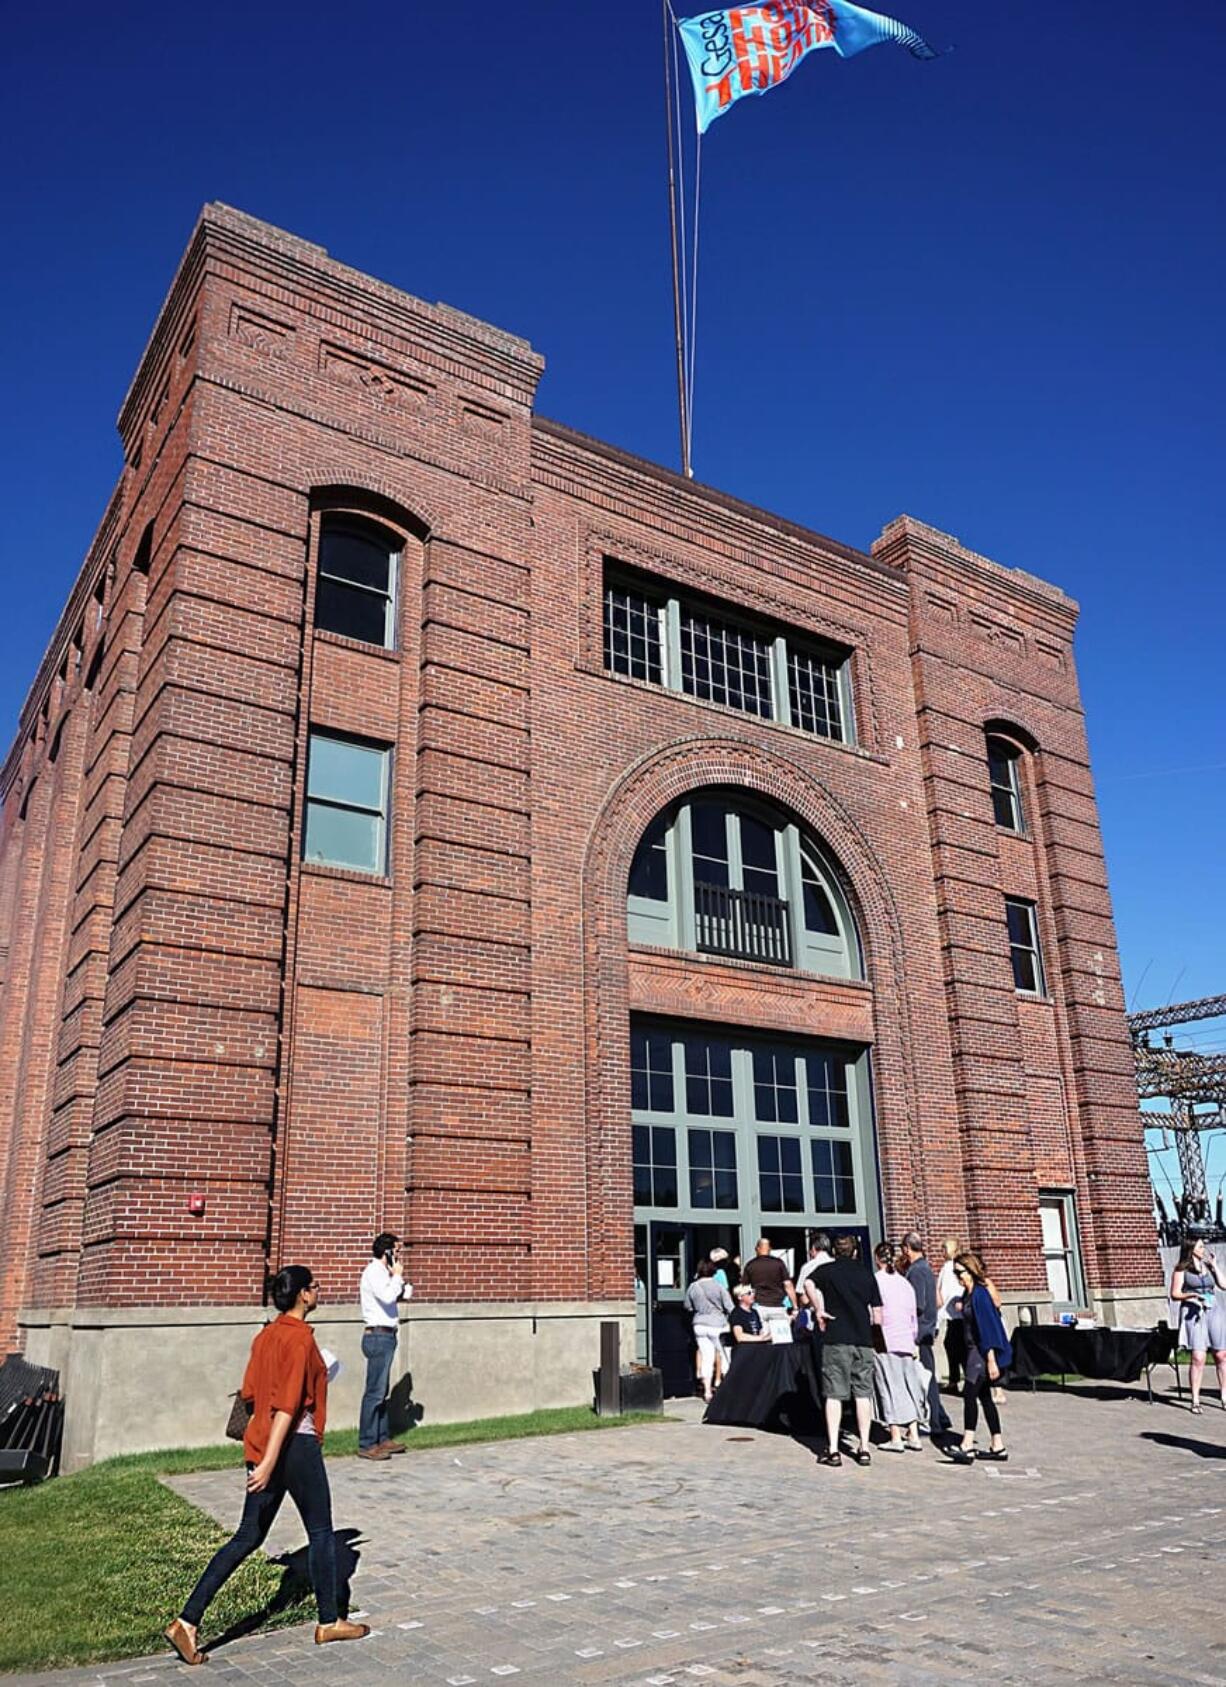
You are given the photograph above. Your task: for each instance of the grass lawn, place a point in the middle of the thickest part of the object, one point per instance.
(93, 1566)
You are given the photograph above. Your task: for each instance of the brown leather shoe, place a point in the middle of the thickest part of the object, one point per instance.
(181, 1640)
(342, 1629)
(392, 1447)
(373, 1453)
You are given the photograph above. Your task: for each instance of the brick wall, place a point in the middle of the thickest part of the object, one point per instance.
(442, 1049)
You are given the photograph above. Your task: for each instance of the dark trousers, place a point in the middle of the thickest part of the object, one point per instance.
(974, 1395)
(938, 1417)
(379, 1349)
(299, 1473)
(955, 1350)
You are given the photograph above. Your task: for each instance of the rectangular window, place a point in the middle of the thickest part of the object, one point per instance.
(826, 1082)
(815, 689)
(781, 1183)
(356, 592)
(708, 1077)
(775, 1099)
(655, 1166)
(1024, 946)
(712, 1168)
(654, 634)
(834, 1180)
(632, 634)
(1061, 1254)
(346, 807)
(725, 664)
(1003, 763)
(651, 1071)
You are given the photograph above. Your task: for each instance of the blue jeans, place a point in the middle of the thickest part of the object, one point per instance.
(300, 1473)
(379, 1349)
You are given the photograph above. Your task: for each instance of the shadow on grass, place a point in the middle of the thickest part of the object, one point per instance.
(403, 1412)
(296, 1588)
(1184, 1444)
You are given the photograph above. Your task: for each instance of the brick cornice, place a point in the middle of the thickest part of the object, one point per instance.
(906, 540)
(585, 468)
(263, 253)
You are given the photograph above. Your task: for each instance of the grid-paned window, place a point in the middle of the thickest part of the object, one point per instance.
(815, 693)
(356, 592)
(775, 1098)
(826, 1083)
(633, 642)
(1024, 946)
(781, 1183)
(655, 1166)
(834, 1179)
(708, 1077)
(713, 1169)
(651, 1071)
(346, 807)
(726, 664)
(713, 653)
(1004, 765)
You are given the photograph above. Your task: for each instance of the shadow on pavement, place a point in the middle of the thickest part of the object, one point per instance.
(296, 1585)
(1185, 1443)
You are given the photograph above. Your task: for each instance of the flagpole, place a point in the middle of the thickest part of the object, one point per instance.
(682, 408)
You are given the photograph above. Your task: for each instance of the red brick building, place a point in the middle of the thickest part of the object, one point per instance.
(427, 816)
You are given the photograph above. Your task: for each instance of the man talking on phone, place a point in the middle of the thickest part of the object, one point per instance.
(383, 1288)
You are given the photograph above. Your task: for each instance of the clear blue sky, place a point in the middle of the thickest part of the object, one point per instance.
(986, 291)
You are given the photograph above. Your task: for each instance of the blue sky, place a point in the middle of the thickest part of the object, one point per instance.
(984, 290)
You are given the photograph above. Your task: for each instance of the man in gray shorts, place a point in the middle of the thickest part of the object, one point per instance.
(846, 1303)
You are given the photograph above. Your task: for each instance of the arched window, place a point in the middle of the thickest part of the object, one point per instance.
(1004, 774)
(724, 874)
(356, 593)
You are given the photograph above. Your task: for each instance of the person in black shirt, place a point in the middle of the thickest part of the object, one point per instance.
(846, 1303)
(746, 1322)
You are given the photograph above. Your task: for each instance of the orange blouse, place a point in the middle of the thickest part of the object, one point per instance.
(285, 1373)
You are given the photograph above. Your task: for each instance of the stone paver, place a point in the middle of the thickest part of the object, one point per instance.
(683, 1556)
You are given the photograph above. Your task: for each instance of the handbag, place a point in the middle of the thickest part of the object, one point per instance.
(239, 1418)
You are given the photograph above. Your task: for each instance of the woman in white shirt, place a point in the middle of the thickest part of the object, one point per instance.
(949, 1311)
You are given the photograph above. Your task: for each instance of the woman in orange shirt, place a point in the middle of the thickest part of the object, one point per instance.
(287, 1382)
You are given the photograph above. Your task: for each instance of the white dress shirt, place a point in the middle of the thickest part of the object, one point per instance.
(381, 1290)
(949, 1292)
(806, 1271)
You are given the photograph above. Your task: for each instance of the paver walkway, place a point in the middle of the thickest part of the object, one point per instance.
(677, 1554)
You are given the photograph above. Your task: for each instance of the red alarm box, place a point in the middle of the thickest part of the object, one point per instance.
(196, 1205)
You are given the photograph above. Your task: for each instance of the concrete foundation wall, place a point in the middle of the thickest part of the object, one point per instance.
(138, 1378)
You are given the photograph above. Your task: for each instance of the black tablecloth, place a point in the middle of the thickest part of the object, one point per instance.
(770, 1387)
(1117, 1355)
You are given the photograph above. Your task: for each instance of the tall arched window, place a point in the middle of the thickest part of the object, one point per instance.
(356, 593)
(723, 874)
(1004, 775)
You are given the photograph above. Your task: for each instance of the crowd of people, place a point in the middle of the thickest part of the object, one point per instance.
(877, 1333)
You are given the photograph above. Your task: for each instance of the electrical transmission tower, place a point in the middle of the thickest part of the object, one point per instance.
(1185, 1079)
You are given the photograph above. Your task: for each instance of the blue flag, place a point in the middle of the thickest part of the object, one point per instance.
(751, 49)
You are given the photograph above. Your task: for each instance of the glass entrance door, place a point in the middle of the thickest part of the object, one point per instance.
(671, 1259)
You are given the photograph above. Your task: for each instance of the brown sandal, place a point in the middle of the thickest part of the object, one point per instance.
(176, 1634)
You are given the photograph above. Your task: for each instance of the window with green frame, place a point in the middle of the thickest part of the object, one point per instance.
(764, 1127)
(713, 652)
(721, 872)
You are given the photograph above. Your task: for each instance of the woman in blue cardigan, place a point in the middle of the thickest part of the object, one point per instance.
(988, 1356)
